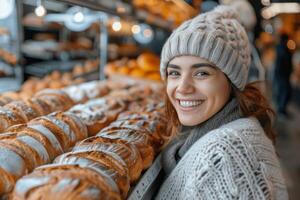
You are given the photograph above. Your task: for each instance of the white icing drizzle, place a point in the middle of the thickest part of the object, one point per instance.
(12, 162)
(37, 146)
(48, 134)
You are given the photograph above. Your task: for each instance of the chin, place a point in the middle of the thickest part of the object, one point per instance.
(190, 121)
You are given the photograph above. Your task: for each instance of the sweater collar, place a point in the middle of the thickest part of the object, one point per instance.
(182, 143)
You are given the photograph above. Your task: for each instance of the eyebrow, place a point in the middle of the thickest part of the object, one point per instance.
(197, 65)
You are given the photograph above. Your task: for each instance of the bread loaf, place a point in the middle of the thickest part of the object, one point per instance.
(128, 152)
(80, 181)
(60, 129)
(139, 139)
(110, 162)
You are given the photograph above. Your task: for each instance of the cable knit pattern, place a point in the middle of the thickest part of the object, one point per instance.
(235, 161)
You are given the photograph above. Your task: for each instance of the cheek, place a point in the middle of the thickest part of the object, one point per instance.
(218, 92)
(170, 90)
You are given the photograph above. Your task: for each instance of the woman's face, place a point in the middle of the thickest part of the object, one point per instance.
(196, 89)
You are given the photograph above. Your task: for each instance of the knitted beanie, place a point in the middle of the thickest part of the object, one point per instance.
(216, 36)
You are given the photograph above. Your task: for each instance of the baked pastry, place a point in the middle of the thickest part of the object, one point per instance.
(128, 152)
(98, 113)
(81, 181)
(113, 165)
(60, 129)
(139, 139)
(43, 135)
(27, 112)
(62, 97)
(12, 166)
(74, 122)
(39, 105)
(9, 117)
(148, 62)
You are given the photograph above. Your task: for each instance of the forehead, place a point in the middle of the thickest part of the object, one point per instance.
(188, 61)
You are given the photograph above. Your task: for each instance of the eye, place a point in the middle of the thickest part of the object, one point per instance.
(201, 74)
(172, 73)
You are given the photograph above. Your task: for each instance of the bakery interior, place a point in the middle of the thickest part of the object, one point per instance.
(75, 74)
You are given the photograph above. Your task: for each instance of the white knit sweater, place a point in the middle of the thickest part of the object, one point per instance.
(235, 161)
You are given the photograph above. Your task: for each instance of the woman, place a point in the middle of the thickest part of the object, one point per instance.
(223, 148)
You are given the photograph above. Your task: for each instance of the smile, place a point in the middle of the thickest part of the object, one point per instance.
(189, 104)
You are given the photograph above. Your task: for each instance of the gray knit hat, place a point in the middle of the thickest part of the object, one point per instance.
(216, 36)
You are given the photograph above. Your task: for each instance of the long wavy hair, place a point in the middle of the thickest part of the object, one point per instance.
(251, 102)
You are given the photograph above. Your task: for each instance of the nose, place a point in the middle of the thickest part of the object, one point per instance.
(185, 85)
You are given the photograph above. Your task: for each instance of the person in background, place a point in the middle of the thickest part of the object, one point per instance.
(282, 72)
(226, 149)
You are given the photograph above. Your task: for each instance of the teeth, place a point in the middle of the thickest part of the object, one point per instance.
(189, 103)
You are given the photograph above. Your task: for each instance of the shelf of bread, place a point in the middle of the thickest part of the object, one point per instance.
(8, 57)
(145, 67)
(164, 13)
(125, 130)
(17, 111)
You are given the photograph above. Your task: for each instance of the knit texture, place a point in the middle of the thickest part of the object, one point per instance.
(235, 161)
(181, 144)
(216, 36)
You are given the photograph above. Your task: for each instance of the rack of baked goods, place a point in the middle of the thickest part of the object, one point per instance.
(17, 111)
(173, 11)
(146, 66)
(55, 80)
(27, 146)
(8, 57)
(103, 166)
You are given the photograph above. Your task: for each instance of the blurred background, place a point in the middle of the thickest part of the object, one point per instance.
(54, 44)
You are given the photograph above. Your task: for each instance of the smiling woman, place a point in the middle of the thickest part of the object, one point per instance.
(222, 147)
(196, 89)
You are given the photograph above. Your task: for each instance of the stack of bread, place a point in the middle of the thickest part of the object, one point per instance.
(103, 166)
(43, 103)
(8, 57)
(85, 91)
(27, 146)
(146, 66)
(174, 11)
(78, 93)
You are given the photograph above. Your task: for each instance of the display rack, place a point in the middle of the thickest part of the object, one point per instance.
(12, 22)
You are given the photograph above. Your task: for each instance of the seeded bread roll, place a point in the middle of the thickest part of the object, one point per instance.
(9, 117)
(128, 152)
(85, 180)
(139, 139)
(110, 163)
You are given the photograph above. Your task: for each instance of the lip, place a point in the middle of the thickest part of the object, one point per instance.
(186, 109)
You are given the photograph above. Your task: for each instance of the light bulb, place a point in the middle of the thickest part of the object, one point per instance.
(78, 17)
(147, 33)
(135, 29)
(117, 26)
(40, 11)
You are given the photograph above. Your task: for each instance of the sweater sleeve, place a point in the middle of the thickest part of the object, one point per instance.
(228, 169)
